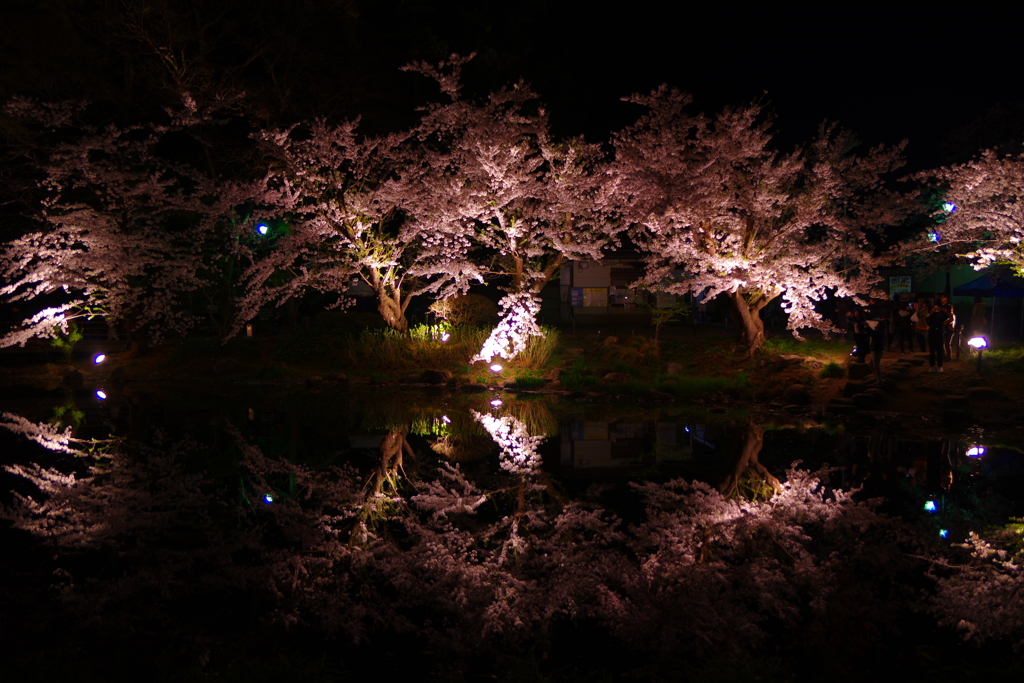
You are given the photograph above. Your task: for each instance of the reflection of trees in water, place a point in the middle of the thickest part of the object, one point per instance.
(749, 460)
(465, 567)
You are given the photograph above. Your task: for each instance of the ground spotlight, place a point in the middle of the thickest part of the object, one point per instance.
(445, 336)
(979, 344)
(447, 420)
(496, 368)
(496, 402)
(975, 451)
(99, 358)
(101, 395)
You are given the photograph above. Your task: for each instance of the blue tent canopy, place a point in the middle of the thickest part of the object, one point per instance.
(989, 285)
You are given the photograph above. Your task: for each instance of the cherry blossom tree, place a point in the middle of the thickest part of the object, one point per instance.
(718, 210)
(338, 218)
(127, 233)
(983, 210)
(504, 199)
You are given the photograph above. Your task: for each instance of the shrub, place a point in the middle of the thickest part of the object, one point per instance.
(832, 369)
(468, 309)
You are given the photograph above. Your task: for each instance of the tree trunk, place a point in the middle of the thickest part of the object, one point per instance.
(749, 458)
(749, 326)
(392, 311)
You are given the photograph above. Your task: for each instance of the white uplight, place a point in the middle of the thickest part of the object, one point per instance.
(496, 368)
(447, 420)
(975, 451)
(496, 402)
(262, 229)
(977, 342)
(445, 336)
(99, 358)
(101, 395)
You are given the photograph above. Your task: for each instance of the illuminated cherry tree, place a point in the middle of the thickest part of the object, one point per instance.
(341, 204)
(983, 210)
(126, 234)
(503, 199)
(718, 210)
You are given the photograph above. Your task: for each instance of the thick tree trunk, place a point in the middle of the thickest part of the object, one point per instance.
(749, 326)
(749, 458)
(392, 311)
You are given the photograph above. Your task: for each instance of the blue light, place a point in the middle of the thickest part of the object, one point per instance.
(99, 358)
(943, 533)
(949, 207)
(268, 499)
(934, 237)
(101, 395)
(975, 451)
(262, 229)
(931, 506)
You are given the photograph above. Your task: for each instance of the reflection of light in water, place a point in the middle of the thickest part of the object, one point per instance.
(101, 395)
(518, 447)
(931, 506)
(975, 451)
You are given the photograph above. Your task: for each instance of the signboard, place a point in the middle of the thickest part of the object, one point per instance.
(899, 284)
(576, 297)
(595, 297)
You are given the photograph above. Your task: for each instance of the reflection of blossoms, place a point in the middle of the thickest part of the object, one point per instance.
(518, 447)
(518, 323)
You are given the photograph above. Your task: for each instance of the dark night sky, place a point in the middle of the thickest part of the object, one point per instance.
(950, 82)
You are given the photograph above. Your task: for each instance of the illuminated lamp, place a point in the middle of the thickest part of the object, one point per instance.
(934, 236)
(931, 506)
(496, 368)
(447, 420)
(99, 358)
(943, 533)
(262, 229)
(979, 344)
(975, 451)
(268, 499)
(948, 207)
(101, 395)
(445, 336)
(496, 403)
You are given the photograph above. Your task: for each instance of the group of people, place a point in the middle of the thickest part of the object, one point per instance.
(931, 323)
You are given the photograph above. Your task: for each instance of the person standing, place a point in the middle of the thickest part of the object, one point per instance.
(936, 321)
(948, 327)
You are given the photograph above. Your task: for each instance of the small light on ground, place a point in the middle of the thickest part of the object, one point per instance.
(496, 402)
(977, 342)
(975, 451)
(496, 368)
(445, 336)
(99, 358)
(931, 506)
(101, 395)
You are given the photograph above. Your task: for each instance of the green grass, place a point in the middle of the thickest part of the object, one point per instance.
(1009, 359)
(529, 382)
(790, 346)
